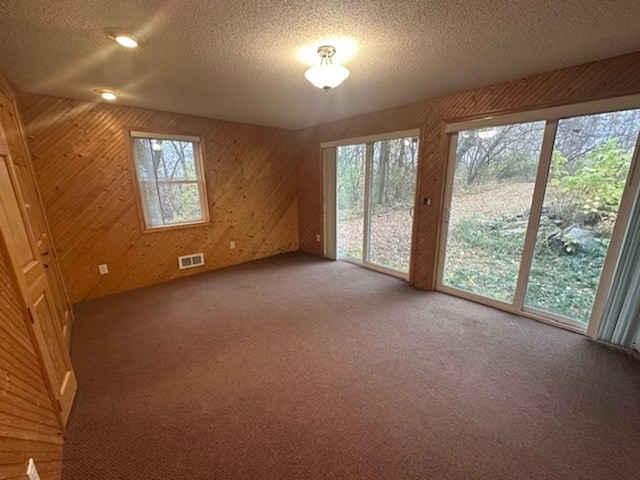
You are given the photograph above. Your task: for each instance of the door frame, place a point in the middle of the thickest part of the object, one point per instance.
(551, 116)
(330, 182)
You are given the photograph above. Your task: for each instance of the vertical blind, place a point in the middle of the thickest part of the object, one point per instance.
(621, 319)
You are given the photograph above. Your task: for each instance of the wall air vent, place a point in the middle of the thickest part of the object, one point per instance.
(190, 261)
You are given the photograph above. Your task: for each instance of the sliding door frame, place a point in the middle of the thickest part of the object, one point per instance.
(330, 204)
(330, 177)
(551, 116)
(617, 239)
(535, 213)
(366, 218)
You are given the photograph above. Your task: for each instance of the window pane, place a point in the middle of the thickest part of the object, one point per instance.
(145, 159)
(171, 159)
(180, 202)
(393, 180)
(169, 179)
(495, 172)
(351, 172)
(589, 168)
(152, 203)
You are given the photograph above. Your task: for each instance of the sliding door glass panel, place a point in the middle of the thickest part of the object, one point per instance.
(391, 202)
(589, 169)
(351, 161)
(494, 178)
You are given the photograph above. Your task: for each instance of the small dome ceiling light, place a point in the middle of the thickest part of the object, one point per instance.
(110, 95)
(327, 75)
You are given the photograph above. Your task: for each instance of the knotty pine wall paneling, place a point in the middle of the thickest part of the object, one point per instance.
(28, 424)
(85, 178)
(608, 78)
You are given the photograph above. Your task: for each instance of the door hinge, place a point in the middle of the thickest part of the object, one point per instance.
(31, 316)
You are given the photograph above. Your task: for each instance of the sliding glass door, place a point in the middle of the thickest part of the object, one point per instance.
(531, 210)
(375, 185)
(493, 181)
(351, 168)
(588, 173)
(391, 200)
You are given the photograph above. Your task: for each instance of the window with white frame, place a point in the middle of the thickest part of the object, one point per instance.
(170, 179)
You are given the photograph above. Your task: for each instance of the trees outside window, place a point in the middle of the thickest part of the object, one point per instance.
(170, 179)
(494, 178)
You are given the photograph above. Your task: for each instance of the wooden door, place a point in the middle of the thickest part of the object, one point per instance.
(22, 248)
(14, 134)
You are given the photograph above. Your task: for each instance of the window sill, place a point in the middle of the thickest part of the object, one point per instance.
(178, 226)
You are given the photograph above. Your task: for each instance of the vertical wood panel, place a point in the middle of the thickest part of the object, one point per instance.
(85, 178)
(592, 81)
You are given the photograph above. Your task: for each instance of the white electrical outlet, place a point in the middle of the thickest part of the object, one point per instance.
(317, 237)
(32, 473)
(232, 244)
(103, 269)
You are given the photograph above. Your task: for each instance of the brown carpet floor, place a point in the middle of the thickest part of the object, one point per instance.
(312, 369)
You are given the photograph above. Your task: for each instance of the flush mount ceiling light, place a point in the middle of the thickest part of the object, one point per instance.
(110, 95)
(327, 75)
(125, 39)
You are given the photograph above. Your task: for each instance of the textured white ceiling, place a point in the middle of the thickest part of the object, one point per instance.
(243, 60)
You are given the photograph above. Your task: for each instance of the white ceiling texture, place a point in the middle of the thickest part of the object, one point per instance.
(244, 60)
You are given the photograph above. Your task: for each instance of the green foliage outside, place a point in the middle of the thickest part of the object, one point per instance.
(592, 189)
(393, 175)
(485, 259)
(167, 170)
(180, 203)
(584, 192)
(587, 178)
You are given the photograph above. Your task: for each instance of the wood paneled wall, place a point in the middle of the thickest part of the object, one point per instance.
(28, 425)
(592, 81)
(87, 187)
(84, 174)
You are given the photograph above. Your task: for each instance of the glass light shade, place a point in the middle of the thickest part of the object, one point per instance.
(327, 76)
